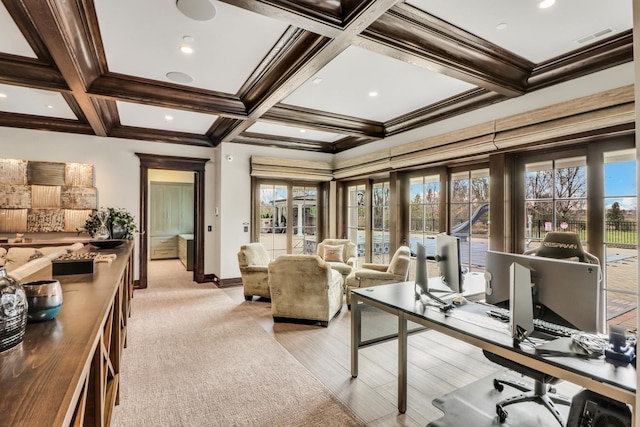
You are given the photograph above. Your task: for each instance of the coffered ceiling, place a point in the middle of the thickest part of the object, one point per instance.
(313, 75)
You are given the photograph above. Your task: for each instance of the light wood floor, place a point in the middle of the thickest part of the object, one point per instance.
(437, 364)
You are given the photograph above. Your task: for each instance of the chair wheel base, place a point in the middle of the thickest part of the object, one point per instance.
(502, 414)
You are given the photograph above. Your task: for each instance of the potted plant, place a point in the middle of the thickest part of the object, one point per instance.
(111, 223)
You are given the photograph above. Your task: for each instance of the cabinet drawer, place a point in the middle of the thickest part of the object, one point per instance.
(164, 247)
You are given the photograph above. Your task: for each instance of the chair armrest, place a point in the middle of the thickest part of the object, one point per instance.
(374, 274)
(255, 269)
(374, 266)
(353, 262)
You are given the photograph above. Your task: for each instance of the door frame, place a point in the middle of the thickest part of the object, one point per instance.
(189, 164)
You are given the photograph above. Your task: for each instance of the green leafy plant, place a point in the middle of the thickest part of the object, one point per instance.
(120, 223)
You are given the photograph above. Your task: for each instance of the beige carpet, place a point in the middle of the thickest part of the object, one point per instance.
(195, 358)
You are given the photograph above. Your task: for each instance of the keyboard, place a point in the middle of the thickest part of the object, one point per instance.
(540, 325)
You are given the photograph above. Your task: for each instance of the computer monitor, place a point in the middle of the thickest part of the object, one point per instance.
(521, 299)
(422, 278)
(570, 293)
(448, 259)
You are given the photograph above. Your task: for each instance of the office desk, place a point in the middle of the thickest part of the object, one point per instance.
(398, 299)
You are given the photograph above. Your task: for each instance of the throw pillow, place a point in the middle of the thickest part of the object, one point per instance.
(333, 253)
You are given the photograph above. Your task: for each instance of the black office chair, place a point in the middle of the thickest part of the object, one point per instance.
(561, 245)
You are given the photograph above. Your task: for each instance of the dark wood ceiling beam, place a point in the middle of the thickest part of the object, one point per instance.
(321, 120)
(615, 50)
(312, 53)
(151, 92)
(25, 121)
(20, 71)
(64, 29)
(450, 107)
(159, 135)
(221, 127)
(351, 142)
(411, 35)
(298, 14)
(284, 142)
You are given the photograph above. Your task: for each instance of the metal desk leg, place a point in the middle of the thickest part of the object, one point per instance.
(402, 363)
(356, 333)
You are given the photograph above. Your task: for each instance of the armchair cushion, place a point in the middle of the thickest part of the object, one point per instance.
(304, 287)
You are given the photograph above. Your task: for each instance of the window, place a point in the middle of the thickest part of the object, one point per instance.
(424, 211)
(356, 218)
(273, 217)
(555, 198)
(469, 213)
(288, 218)
(621, 237)
(380, 226)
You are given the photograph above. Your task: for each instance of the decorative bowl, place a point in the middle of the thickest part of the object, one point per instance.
(107, 244)
(44, 298)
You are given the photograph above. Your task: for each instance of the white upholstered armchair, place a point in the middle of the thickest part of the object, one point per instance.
(340, 254)
(304, 287)
(253, 260)
(380, 274)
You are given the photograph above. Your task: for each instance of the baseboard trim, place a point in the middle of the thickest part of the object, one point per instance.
(225, 283)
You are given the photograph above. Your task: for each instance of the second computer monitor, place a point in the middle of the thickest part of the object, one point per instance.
(572, 290)
(448, 258)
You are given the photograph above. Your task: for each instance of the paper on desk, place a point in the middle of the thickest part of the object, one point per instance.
(564, 346)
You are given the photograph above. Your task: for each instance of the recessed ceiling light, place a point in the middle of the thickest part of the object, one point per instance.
(186, 49)
(50, 107)
(317, 80)
(168, 118)
(502, 26)
(546, 3)
(179, 77)
(373, 94)
(303, 131)
(3, 95)
(200, 10)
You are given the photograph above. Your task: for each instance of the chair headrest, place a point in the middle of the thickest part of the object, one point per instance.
(561, 245)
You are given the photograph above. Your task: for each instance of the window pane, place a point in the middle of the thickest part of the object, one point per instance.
(304, 221)
(273, 214)
(356, 219)
(539, 180)
(380, 225)
(621, 238)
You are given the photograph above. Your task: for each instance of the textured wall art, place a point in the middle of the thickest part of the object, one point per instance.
(45, 196)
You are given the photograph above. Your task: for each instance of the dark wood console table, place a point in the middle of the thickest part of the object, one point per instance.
(66, 370)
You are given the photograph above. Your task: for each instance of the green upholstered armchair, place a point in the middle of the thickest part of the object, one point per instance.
(304, 287)
(254, 259)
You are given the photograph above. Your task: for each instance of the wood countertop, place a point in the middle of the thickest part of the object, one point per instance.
(44, 377)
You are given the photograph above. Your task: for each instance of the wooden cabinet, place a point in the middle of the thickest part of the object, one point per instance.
(171, 213)
(164, 247)
(185, 250)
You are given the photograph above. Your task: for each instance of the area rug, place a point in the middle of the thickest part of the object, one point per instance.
(195, 358)
(475, 405)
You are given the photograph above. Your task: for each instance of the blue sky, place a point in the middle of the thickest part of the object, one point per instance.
(620, 180)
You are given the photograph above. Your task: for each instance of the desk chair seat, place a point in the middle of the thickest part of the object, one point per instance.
(542, 393)
(559, 245)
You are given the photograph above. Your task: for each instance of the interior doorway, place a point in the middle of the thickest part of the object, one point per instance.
(195, 165)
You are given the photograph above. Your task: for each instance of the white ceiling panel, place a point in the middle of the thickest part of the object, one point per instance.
(11, 39)
(143, 39)
(22, 100)
(293, 132)
(352, 75)
(147, 116)
(531, 32)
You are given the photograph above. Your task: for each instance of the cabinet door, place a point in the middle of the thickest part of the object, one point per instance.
(171, 209)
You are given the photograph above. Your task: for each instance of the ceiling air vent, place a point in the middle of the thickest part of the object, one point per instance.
(594, 36)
